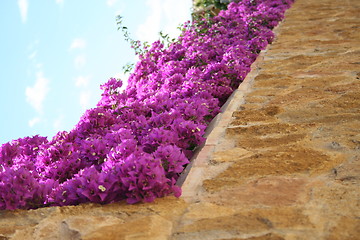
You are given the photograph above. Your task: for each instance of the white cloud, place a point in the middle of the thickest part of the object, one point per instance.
(78, 43)
(165, 15)
(60, 2)
(148, 31)
(119, 8)
(110, 3)
(82, 81)
(176, 12)
(118, 12)
(58, 123)
(33, 50)
(36, 94)
(34, 121)
(33, 45)
(32, 55)
(23, 7)
(84, 100)
(79, 61)
(119, 75)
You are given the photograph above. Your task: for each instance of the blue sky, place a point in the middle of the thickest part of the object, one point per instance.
(54, 55)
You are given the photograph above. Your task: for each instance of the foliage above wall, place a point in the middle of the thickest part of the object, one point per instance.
(220, 4)
(209, 8)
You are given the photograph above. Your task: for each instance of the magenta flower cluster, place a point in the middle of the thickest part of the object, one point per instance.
(136, 142)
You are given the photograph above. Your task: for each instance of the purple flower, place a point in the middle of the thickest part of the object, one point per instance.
(137, 141)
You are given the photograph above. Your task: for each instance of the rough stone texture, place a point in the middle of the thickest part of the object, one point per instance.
(93, 221)
(281, 162)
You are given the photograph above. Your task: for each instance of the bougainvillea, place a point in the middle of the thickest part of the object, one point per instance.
(136, 142)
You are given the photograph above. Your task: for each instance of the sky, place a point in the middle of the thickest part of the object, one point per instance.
(55, 54)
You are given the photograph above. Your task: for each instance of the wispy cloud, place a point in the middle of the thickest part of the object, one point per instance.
(119, 75)
(119, 7)
(85, 93)
(23, 7)
(32, 122)
(175, 13)
(58, 122)
(84, 100)
(165, 15)
(110, 3)
(39, 65)
(36, 94)
(82, 81)
(32, 55)
(60, 2)
(32, 49)
(78, 43)
(148, 31)
(79, 61)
